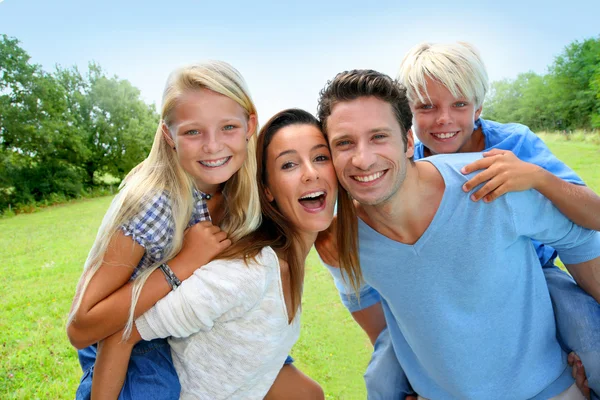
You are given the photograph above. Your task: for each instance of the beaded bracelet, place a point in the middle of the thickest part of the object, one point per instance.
(170, 276)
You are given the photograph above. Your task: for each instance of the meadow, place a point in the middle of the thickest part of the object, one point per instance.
(42, 256)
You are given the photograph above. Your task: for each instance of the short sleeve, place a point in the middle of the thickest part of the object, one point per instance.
(535, 217)
(152, 227)
(367, 296)
(221, 290)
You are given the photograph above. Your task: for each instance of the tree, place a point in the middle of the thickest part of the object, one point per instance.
(116, 126)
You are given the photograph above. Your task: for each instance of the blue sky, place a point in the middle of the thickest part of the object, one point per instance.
(288, 52)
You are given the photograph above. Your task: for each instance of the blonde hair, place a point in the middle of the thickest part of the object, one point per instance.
(458, 66)
(161, 172)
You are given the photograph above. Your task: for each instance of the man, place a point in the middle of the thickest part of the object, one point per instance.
(462, 290)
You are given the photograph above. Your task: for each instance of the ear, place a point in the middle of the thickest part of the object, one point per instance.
(269, 195)
(252, 123)
(410, 144)
(478, 113)
(167, 135)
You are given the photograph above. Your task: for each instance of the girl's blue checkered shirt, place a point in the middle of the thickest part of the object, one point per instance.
(153, 226)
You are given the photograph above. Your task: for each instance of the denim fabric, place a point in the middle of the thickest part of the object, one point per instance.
(385, 379)
(289, 360)
(577, 322)
(150, 375)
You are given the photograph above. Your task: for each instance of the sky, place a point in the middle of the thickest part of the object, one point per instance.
(287, 52)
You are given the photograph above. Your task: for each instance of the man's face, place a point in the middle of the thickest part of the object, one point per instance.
(367, 148)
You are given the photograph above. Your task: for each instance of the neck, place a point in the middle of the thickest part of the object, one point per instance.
(305, 243)
(405, 217)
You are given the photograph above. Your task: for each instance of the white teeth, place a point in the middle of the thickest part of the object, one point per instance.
(313, 195)
(445, 135)
(215, 163)
(368, 178)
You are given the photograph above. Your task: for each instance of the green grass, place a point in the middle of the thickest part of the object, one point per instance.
(42, 256)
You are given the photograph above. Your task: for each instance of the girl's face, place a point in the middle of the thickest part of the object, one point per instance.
(300, 177)
(443, 122)
(210, 133)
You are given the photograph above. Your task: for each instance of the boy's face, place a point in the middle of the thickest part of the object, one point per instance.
(445, 123)
(369, 156)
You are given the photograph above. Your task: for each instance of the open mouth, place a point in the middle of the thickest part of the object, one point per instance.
(369, 178)
(444, 135)
(219, 162)
(313, 201)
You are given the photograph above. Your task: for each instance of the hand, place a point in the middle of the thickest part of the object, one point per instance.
(201, 243)
(326, 245)
(411, 398)
(578, 373)
(504, 173)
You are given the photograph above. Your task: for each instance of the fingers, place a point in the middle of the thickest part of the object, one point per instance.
(477, 165)
(495, 152)
(478, 179)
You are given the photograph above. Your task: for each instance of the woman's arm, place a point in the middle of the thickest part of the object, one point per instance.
(504, 173)
(111, 365)
(105, 305)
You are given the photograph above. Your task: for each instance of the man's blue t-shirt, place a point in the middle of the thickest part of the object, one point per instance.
(468, 309)
(517, 138)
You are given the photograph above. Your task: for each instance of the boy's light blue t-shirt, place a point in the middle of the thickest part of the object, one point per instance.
(517, 138)
(467, 307)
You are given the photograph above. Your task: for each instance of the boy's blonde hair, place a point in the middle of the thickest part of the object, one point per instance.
(161, 172)
(458, 66)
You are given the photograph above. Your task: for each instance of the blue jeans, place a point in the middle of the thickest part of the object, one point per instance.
(150, 375)
(577, 317)
(577, 322)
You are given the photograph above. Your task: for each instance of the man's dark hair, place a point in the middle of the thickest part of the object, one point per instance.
(350, 85)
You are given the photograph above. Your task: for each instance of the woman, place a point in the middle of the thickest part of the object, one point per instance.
(233, 322)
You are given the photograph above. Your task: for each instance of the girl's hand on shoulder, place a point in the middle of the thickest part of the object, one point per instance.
(503, 173)
(202, 242)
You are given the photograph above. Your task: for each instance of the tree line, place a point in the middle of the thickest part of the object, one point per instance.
(61, 132)
(567, 97)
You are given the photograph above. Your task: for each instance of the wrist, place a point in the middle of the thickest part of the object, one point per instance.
(542, 179)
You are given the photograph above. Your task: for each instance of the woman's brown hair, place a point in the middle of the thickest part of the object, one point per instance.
(274, 230)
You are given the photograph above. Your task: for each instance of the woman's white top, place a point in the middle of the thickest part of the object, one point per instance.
(228, 328)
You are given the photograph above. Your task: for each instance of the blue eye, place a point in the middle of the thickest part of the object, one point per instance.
(229, 127)
(380, 136)
(192, 132)
(342, 143)
(426, 107)
(460, 104)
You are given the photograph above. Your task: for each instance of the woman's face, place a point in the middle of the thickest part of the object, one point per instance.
(300, 177)
(210, 133)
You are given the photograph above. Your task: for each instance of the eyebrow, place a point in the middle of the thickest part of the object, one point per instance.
(292, 151)
(370, 131)
(193, 122)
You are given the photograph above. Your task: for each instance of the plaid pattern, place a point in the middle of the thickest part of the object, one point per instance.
(153, 227)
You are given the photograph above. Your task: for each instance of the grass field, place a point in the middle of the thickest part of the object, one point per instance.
(42, 255)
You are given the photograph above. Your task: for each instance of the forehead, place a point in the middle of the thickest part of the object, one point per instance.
(361, 115)
(297, 138)
(205, 104)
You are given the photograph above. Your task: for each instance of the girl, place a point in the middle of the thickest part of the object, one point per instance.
(233, 322)
(198, 166)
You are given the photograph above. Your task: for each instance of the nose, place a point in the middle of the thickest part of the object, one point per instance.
(444, 116)
(363, 158)
(212, 143)
(310, 173)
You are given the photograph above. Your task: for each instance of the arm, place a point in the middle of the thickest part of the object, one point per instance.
(371, 320)
(535, 217)
(105, 304)
(366, 311)
(504, 173)
(221, 290)
(111, 365)
(587, 275)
